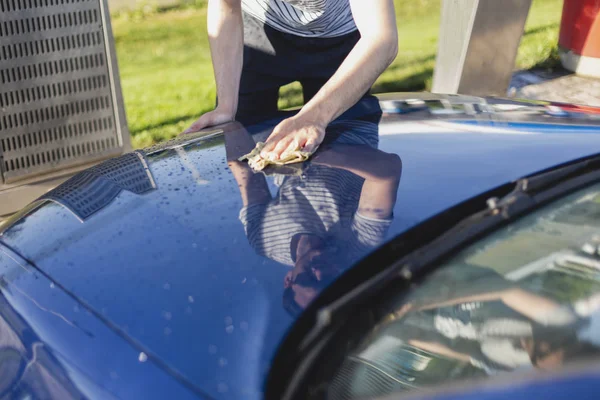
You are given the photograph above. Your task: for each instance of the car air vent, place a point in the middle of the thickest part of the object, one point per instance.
(60, 101)
(357, 379)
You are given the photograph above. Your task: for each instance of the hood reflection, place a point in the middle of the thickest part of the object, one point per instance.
(326, 213)
(526, 297)
(476, 324)
(493, 324)
(93, 189)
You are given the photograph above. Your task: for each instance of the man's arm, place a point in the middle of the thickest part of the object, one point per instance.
(374, 52)
(253, 187)
(532, 305)
(226, 38)
(381, 172)
(441, 349)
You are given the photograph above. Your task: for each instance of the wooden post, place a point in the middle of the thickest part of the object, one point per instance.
(478, 45)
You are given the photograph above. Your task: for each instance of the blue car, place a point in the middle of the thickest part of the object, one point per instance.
(437, 246)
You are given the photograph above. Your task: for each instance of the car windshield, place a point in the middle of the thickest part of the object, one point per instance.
(527, 297)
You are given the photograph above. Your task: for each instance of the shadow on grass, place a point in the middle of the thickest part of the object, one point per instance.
(414, 62)
(539, 29)
(163, 123)
(413, 83)
(550, 63)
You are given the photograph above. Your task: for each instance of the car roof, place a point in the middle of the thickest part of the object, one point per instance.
(159, 241)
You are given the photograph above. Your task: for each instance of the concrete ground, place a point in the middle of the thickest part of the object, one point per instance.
(560, 86)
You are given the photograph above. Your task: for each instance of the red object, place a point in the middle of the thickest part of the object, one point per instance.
(580, 108)
(580, 27)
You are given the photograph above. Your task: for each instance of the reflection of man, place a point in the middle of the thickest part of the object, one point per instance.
(322, 221)
(492, 324)
(335, 48)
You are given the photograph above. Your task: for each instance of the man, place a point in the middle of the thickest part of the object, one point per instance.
(335, 48)
(328, 214)
(480, 318)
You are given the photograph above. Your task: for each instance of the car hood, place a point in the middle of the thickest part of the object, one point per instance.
(160, 244)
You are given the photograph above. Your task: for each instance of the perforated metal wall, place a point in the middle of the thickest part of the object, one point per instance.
(60, 101)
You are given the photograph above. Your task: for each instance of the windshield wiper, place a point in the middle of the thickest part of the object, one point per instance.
(426, 244)
(546, 179)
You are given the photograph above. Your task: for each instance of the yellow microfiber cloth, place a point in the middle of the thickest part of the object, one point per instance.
(291, 155)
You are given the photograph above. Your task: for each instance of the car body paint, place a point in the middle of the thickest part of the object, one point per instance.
(170, 269)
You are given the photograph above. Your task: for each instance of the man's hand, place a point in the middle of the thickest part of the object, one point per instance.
(211, 118)
(307, 132)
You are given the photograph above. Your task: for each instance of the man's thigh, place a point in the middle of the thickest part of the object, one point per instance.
(273, 59)
(257, 105)
(310, 87)
(261, 75)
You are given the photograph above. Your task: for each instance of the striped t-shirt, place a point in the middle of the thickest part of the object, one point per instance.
(323, 202)
(308, 18)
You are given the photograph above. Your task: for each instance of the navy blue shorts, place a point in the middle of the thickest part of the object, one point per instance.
(273, 59)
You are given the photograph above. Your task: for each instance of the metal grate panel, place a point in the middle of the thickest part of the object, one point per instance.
(58, 94)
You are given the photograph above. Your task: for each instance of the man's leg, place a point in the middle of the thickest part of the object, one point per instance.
(257, 98)
(319, 58)
(310, 87)
(263, 73)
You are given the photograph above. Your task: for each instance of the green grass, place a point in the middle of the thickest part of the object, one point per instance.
(167, 76)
